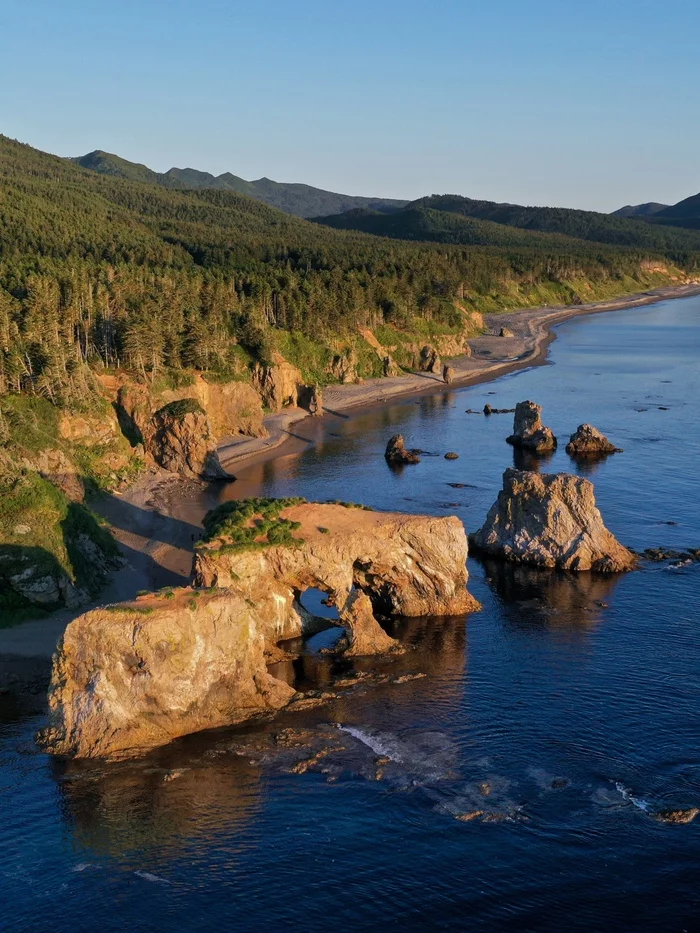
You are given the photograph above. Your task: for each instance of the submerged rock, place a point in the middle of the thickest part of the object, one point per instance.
(550, 520)
(528, 430)
(677, 816)
(587, 441)
(396, 452)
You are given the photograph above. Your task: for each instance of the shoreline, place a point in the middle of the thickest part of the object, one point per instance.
(157, 520)
(533, 332)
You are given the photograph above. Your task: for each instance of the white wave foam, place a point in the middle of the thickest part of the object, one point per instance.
(380, 746)
(149, 876)
(638, 802)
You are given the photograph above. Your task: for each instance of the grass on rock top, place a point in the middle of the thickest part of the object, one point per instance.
(250, 524)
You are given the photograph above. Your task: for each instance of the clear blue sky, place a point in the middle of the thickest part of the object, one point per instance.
(589, 104)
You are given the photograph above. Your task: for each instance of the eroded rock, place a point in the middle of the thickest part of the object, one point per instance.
(528, 430)
(429, 360)
(550, 520)
(396, 452)
(183, 442)
(587, 441)
(136, 675)
(448, 374)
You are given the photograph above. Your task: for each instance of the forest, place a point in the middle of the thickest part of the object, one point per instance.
(98, 271)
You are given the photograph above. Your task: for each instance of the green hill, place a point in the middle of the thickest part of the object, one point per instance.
(100, 271)
(684, 214)
(639, 210)
(302, 200)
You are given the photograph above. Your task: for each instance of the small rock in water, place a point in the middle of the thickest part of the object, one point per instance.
(451, 455)
(677, 816)
(559, 783)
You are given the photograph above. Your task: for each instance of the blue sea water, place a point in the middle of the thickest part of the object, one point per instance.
(514, 786)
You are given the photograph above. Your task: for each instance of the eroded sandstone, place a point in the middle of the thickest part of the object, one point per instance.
(136, 675)
(587, 441)
(528, 430)
(550, 520)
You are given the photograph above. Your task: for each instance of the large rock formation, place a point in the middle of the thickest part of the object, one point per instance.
(343, 368)
(136, 675)
(550, 520)
(429, 360)
(587, 441)
(396, 453)
(528, 430)
(409, 565)
(183, 442)
(233, 408)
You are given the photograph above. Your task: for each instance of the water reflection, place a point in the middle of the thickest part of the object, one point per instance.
(159, 802)
(532, 597)
(529, 460)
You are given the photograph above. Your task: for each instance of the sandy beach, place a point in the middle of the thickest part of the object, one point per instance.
(159, 518)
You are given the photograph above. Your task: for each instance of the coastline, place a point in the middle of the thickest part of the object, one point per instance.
(492, 357)
(157, 520)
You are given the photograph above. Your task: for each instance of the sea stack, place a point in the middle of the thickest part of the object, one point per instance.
(587, 441)
(528, 430)
(550, 520)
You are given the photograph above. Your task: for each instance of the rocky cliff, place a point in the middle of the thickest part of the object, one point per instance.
(183, 443)
(550, 520)
(136, 675)
(528, 430)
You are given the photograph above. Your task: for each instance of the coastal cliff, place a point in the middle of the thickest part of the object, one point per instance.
(136, 675)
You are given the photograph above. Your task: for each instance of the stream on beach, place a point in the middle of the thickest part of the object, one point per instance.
(506, 773)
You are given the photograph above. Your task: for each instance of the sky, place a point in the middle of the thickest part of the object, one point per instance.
(585, 104)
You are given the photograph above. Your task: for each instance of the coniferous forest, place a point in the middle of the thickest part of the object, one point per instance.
(97, 271)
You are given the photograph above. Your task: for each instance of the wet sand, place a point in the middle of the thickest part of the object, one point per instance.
(159, 518)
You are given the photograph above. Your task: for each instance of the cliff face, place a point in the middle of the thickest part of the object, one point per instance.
(183, 442)
(550, 520)
(137, 675)
(410, 565)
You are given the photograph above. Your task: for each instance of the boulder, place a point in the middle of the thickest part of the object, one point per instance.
(344, 366)
(587, 441)
(429, 360)
(311, 398)
(136, 675)
(183, 442)
(278, 383)
(448, 374)
(505, 332)
(396, 452)
(550, 520)
(528, 430)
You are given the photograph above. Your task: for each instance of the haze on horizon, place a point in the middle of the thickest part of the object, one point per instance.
(590, 106)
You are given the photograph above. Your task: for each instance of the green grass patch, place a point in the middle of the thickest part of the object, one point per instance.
(250, 524)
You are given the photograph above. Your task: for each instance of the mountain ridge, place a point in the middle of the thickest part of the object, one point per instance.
(292, 197)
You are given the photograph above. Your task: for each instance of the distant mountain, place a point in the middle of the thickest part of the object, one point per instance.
(684, 214)
(639, 210)
(438, 226)
(302, 200)
(450, 218)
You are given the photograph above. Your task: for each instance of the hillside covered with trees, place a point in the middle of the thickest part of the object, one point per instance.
(302, 200)
(451, 218)
(99, 271)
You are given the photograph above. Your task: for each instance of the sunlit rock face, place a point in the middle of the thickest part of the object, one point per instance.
(133, 676)
(136, 675)
(550, 520)
(528, 430)
(587, 441)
